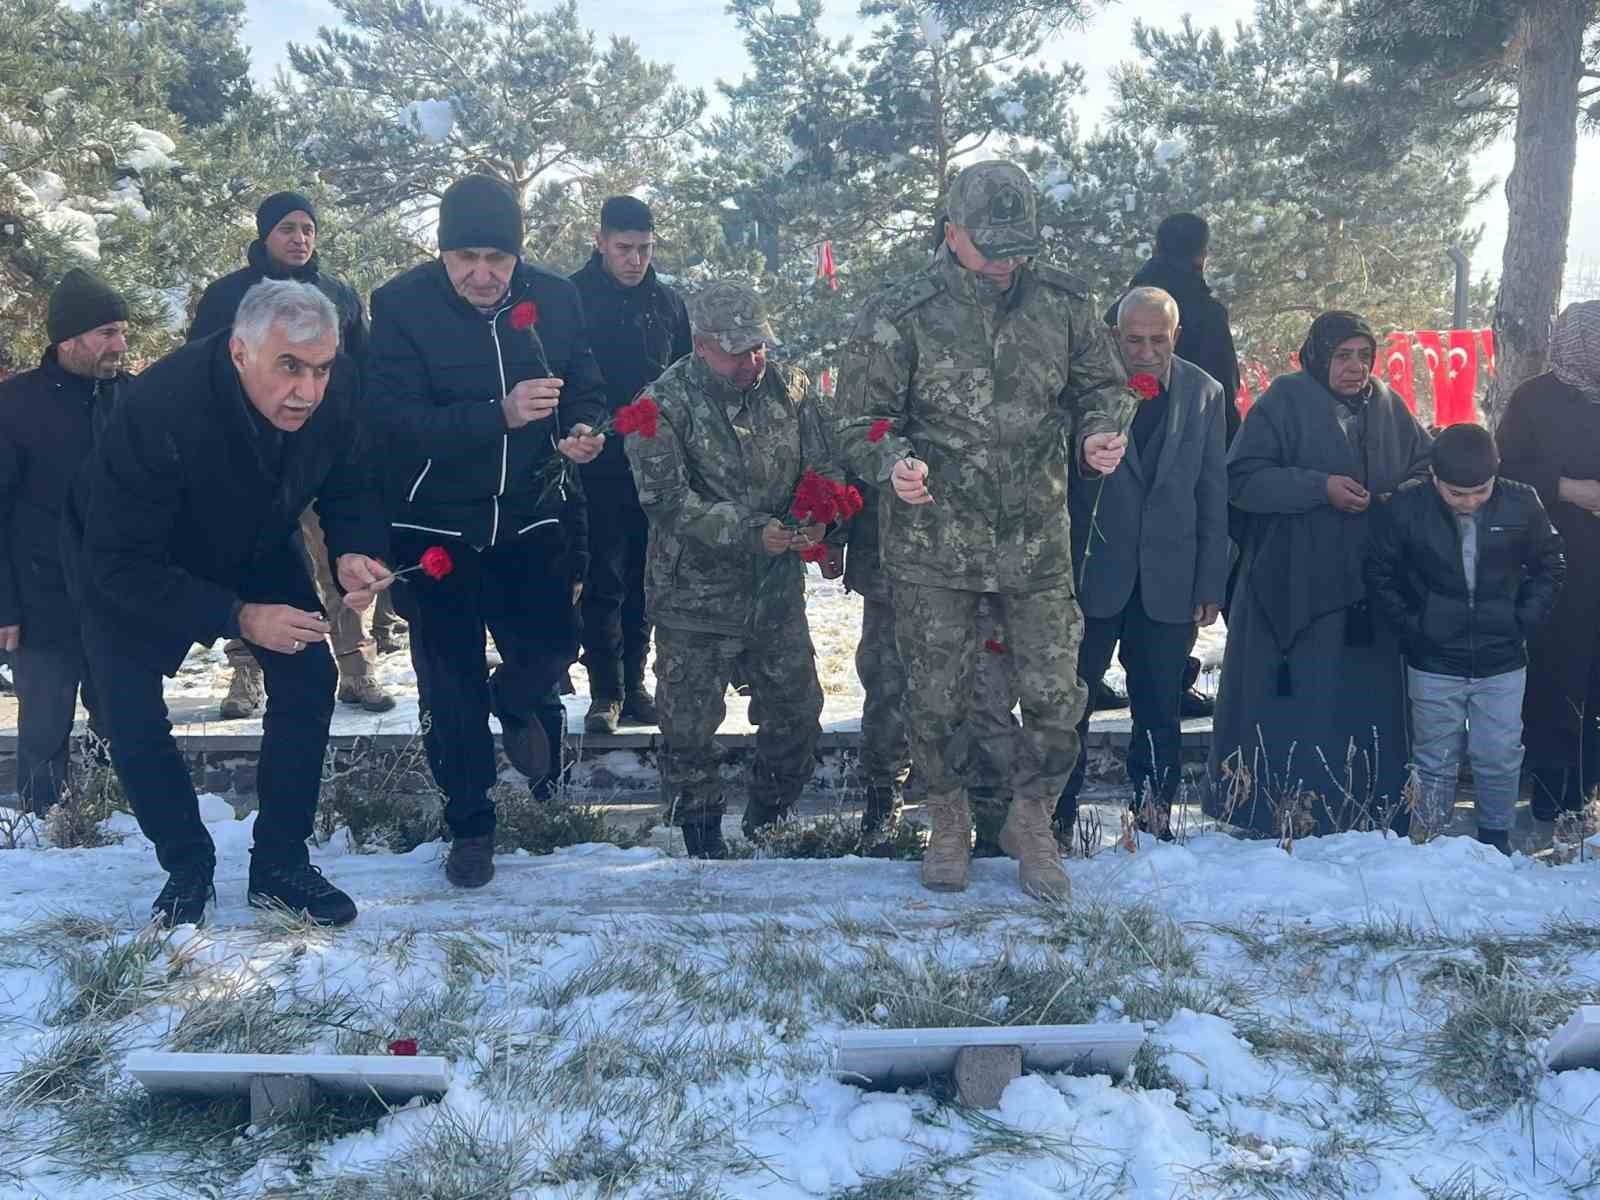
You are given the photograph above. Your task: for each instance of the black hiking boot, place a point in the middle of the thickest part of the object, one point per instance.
(527, 747)
(301, 889)
(702, 837)
(184, 898)
(471, 861)
(1500, 839)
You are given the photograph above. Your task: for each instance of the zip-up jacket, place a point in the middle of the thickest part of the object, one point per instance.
(220, 301)
(438, 370)
(1417, 582)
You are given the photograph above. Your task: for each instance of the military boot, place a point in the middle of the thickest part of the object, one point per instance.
(949, 852)
(360, 688)
(702, 836)
(882, 812)
(1028, 838)
(246, 694)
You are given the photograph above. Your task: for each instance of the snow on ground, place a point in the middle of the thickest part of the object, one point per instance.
(1361, 1017)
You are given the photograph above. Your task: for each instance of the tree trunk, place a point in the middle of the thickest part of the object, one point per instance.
(1539, 193)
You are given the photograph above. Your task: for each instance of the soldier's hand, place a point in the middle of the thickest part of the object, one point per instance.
(832, 567)
(1103, 452)
(910, 481)
(362, 578)
(1206, 615)
(10, 637)
(281, 627)
(806, 537)
(531, 400)
(1347, 495)
(584, 444)
(776, 537)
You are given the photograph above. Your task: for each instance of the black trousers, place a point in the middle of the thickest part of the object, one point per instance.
(132, 714)
(522, 593)
(47, 681)
(616, 635)
(1155, 655)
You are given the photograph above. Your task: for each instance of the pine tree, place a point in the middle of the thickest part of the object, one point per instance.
(1467, 71)
(407, 96)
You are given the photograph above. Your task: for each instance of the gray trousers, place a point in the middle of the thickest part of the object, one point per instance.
(1454, 718)
(47, 683)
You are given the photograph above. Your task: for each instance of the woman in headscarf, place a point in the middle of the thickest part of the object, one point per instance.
(1550, 438)
(1310, 730)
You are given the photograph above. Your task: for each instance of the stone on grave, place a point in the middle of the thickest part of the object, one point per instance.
(982, 1073)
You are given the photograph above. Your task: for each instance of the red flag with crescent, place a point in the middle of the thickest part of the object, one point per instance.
(1395, 366)
(1433, 354)
(1454, 406)
(1488, 349)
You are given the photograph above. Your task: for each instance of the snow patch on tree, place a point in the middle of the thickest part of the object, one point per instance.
(77, 229)
(432, 119)
(151, 149)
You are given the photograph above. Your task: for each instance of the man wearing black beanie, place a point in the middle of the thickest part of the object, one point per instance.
(639, 327)
(50, 418)
(1465, 566)
(286, 248)
(481, 377)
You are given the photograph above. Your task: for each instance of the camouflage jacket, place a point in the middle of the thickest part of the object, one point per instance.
(988, 389)
(722, 465)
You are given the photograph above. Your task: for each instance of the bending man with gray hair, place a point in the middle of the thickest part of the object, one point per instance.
(183, 531)
(1152, 560)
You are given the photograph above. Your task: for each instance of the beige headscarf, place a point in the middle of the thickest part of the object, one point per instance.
(1575, 348)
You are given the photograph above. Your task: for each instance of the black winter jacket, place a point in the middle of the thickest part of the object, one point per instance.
(437, 371)
(1204, 336)
(1416, 582)
(182, 516)
(49, 421)
(220, 301)
(637, 333)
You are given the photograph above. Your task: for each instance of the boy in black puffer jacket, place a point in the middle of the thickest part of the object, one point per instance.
(1465, 566)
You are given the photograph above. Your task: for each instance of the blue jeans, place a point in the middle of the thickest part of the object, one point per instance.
(1453, 718)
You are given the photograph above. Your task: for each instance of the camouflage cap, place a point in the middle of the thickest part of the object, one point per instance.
(994, 202)
(731, 315)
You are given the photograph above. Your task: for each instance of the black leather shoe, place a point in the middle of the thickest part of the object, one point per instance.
(1106, 696)
(639, 708)
(471, 861)
(703, 838)
(300, 888)
(183, 900)
(1196, 703)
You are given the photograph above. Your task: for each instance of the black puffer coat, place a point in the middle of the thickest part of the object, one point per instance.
(1416, 581)
(220, 301)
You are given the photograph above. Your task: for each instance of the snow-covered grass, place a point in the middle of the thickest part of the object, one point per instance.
(1362, 1017)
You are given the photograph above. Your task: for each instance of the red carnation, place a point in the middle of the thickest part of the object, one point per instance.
(642, 417)
(814, 554)
(848, 500)
(403, 1047)
(435, 562)
(524, 315)
(994, 647)
(880, 430)
(815, 502)
(1147, 386)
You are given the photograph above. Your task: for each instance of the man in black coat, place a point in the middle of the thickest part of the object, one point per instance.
(183, 530)
(638, 327)
(286, 248)
(1150, 551)
(49, 419)
(481, 377)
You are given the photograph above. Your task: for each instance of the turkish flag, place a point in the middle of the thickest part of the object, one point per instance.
(825, 267)
(1433, 354)
(1488, 349)
(1461, 379)
(1395, 365)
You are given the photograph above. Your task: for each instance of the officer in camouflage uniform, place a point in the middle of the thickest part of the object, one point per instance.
(723, 575)
(987, 368)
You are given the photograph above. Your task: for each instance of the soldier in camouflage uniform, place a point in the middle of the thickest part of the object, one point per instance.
(986, 369)
(723, 576)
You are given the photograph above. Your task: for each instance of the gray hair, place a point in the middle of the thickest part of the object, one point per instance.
(299, 309)
(1148, 297)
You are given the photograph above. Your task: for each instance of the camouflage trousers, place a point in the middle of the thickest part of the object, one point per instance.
(692, 675)
(957, 705)
(885, 742)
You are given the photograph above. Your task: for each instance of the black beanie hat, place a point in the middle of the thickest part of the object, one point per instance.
(278, 206)
(626, 214)
(1465, 456)
(480, 210)
(82, 301)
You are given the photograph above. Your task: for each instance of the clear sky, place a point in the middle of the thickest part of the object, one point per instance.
(700, 41)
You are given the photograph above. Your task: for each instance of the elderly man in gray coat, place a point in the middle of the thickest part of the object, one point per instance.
(1150, 551)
